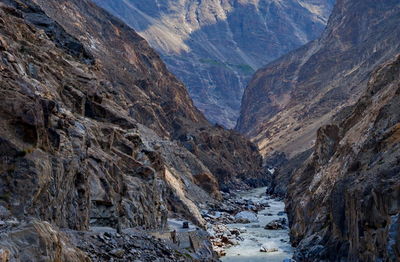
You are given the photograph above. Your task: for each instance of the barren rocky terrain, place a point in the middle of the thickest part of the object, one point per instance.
(343, 203)
(214, 47)
(104, 156)
(289, 99)
(96, 132)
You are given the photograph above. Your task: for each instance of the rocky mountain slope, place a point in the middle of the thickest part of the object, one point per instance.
(343, 203)
(288, 100)
(215, 46)
(150, 94)
(95, 132)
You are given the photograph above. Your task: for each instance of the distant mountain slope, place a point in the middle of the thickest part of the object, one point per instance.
(215, 46)
(288, 100)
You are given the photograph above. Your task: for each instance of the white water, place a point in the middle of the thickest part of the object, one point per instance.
(249, 249)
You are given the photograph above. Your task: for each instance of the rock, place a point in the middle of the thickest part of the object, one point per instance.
(44, 241)
(220, 252)
(4, 255)
(242, 221)
(245, 217)
(86, 144)
(235, 231)
(118, 252)
(270, 108)
(276, 224)
(344, 199)
(268, 249)
(185, 225)
(244, 52)
(4, 213)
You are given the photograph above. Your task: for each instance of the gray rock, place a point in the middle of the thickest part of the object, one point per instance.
(246, 216)
(276, 224)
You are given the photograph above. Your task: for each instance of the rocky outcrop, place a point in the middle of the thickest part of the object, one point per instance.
(35, 240)
(343, 204)
(151, 95)
(233, 160)
(90, 123)
(288, 100)
(215, 46)
(281, 171)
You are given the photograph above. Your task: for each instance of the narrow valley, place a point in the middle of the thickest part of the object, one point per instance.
(106, 156)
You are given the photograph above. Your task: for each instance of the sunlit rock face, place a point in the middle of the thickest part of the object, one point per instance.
(215, 46)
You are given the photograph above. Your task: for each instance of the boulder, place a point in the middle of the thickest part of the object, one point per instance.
(268, 248)
(276, 224)
(246, 217)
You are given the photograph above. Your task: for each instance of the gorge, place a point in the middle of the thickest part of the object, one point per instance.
(104, 156)
(215, 46)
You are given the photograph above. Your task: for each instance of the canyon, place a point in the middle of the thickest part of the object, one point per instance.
(289, 99)
(214, 47)
(326, 118)
(97, 133)
(104, 155)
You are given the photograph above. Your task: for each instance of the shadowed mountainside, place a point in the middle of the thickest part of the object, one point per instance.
(95, 132)
(215, 46)
(288, 100)
(343, 204)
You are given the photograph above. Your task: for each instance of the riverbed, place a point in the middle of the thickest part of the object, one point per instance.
(256, 236)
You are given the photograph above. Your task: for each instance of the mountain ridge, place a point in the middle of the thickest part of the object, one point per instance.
(214, 47)
(289, 99)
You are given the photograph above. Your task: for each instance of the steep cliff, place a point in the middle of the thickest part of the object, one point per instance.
(91, 134)
(288, 100)
(215, 46)
(70, 152)
(344, 203)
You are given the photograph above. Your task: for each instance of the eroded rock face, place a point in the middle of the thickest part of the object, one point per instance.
(215, 46)
(234, 161)
(90, 122)
(344, 203)
(35, 240)
(67, 156)
(288, 100)
(148, 93)
(73, 122)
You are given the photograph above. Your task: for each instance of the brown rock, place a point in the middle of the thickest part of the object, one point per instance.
(306, 88)
(343, 203)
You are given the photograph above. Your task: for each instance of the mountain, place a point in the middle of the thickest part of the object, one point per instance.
(327, 115)
(289, 99)
(214, 47)
(343, 203)
(97, 133)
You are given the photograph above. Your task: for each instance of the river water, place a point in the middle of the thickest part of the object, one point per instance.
(255, 236)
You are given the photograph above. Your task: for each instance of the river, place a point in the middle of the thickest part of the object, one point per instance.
(255, 236)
